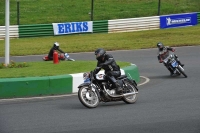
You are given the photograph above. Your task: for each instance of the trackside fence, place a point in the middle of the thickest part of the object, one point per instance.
(13, 31)
(100, 26)
(133, 24)
(35, 30)
(103, 26)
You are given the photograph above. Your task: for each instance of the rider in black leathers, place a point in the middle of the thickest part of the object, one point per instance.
(112, 70)
(55, 47)
(163, 53)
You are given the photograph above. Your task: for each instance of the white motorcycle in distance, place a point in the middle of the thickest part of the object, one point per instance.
(174, 65)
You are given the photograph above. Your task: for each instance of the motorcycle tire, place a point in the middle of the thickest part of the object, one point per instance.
(181, 71)
(88, 97)
(131, 98)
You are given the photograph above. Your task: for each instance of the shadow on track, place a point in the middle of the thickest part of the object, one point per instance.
(166, 77)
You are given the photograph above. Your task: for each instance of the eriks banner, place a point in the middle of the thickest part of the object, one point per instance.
(72, 27)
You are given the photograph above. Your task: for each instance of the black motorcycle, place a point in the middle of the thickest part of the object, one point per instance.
(98, 89)
(173, 64)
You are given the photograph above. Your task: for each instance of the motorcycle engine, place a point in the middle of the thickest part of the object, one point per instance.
(111, 92)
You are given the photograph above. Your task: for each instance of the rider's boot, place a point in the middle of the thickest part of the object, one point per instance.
(116, 84)
(118, 88)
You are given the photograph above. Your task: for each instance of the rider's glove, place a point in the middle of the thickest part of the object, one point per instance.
(101, 65)
(173, 50)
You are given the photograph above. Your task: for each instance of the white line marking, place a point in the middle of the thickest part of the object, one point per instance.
(146, 80)
(58, 96)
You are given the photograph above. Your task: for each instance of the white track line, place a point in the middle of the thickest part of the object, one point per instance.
(146, 80)
(58, 96)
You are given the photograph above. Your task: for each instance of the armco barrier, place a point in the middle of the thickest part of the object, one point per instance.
(100, 26)
(35, 30)
(198, 17)
(103, 26)
(13, 31)
(133, 24)
(50, 85)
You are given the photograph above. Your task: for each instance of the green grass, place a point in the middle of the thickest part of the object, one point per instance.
(38, 69)
(116, 41)
(49, 11)
(89, 42)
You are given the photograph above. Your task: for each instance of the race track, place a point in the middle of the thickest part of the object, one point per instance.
(165, 104)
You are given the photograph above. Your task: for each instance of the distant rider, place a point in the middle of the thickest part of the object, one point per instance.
(112, 70)
(163, 53)
(55, 47)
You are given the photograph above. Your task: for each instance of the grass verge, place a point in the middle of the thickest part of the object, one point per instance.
(42, 68)
(51, 11)
(184, 36)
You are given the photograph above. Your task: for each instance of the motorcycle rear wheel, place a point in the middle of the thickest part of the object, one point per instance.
(131, 98)
(88, 97)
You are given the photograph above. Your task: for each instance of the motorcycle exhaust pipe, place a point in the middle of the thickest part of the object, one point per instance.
(128, 94)
(181, 67)
(123, 95)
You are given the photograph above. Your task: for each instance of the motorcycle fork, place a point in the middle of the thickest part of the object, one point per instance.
(124, 86)
(92, 86)
(171, 68)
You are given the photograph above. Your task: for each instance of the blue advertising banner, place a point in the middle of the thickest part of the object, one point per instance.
(178, 20)
(72, 27)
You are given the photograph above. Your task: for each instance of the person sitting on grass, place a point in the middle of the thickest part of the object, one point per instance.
(55, 47)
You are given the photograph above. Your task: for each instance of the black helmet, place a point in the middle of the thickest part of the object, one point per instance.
(56, 45)
(160, 46)
(100, 53)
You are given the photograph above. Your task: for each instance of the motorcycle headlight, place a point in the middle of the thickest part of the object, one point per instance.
(171, 56)
(85, 76)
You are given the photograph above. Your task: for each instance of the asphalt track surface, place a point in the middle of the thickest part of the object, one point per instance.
(165, 104)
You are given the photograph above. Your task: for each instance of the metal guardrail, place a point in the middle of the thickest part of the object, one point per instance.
(106, 26)
(198, 17)
(13, 31)
(100, 26)
(133, 24)
(35, 30)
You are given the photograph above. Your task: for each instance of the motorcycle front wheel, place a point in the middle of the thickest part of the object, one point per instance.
(130, 88)
(88, 97)
(181, 71)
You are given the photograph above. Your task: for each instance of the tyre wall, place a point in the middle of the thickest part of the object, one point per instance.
(50, 85)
